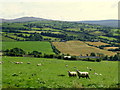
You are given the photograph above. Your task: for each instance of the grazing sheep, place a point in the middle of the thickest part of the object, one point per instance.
(72, 74)
(17, 62)
(83, 74)
(1, 62)
(66, 65)
(39, 64)
(96, 73)
(20, 62)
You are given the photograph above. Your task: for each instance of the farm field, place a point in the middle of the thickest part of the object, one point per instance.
(96, 43)
(53, 73)
(3, 38)
(79, 48)
(29, 46)
(110, 48)
(108, 38)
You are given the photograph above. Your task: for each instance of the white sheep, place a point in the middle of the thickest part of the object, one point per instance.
(66, 65)
(39, 64)
(96, 73)
(0, 62)
(72, 74)
(17, 62)
(20, 62)
(83, 74)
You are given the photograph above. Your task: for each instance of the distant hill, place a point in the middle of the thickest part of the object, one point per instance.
(24, 19)
(111, 23)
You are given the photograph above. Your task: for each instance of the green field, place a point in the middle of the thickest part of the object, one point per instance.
(29, 46)
(109, 38)
(48, 75)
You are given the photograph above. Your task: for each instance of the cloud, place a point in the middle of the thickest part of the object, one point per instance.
(72, 11)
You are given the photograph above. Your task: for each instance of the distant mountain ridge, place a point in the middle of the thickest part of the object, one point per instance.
(111, 23)
(24, 19)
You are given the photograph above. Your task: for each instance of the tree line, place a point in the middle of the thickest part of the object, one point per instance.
(19, 52)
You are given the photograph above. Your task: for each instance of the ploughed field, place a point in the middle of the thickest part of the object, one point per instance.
(79, 48)
(53, 73)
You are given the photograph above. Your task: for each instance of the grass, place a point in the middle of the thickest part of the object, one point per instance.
(48, 75)
(109, 38)
(97, 33)
(29, 46)
(79, 48)
(3, 38)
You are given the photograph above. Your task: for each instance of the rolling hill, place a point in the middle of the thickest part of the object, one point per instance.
(111, 23)
(24, 19)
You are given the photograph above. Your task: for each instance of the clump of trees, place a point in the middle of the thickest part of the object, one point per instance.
(116, 57)
(14, 52)
(35, 53)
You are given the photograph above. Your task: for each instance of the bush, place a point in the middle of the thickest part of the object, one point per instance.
(14, 52)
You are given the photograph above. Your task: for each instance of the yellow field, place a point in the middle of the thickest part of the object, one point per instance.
(96, 43)
(110, 48)
(79, 48)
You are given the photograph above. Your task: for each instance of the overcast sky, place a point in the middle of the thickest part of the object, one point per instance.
(67, 10)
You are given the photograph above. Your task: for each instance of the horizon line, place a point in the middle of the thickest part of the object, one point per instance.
(55, 19)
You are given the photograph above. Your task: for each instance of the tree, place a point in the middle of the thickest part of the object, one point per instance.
(15, 52)
(98, 60)
(35, 53)
(105, 58)
(92, 54)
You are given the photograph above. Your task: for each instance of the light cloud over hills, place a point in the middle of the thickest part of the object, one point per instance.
(74, 10)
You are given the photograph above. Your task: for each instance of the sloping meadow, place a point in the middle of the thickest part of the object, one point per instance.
(53, 73)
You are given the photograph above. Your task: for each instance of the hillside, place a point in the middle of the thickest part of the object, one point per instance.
(54, 74)
(23, 19)
(59, 31)
(78, 48)
(111, 23)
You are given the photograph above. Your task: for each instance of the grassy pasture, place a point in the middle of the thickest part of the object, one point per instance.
(78, 47)
(32, 31)
(48, 74)
(29, 46)
(97, 33)
(3, 38)
(96, 43)
(108, 38)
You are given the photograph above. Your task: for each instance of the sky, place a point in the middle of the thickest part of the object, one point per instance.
(65, 10)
